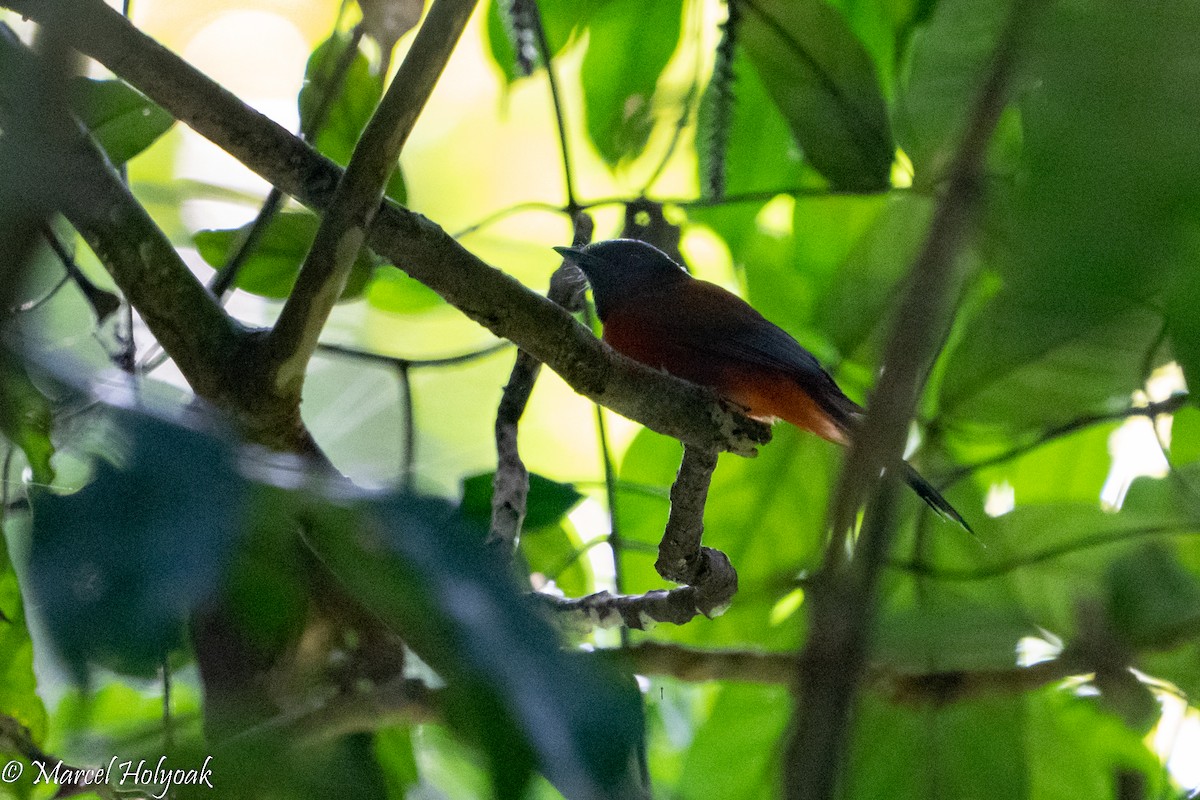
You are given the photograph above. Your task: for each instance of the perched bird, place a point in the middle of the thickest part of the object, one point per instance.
(655, 312)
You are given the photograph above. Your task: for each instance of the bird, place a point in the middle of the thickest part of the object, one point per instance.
(656, 313)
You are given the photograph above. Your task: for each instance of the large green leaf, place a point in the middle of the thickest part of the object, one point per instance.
(949, 56)
(825, 84)
(25, 418)
(421, 569)
(863, 289)
(735, 752)
(117, 566)
(968, 749)
(1023, 363)
(629, 44)
(271, 269)
(123, 121)
(1103, 214)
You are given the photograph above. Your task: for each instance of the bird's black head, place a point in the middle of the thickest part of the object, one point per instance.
(622, 269)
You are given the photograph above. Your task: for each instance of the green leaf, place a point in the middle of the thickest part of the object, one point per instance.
(864, 288)
(26, 419)
(548, 501)
(271, 269)
(123, 121)
(1065, 729)
(117, 566)
(968, 749)
(1024, 364)
(1152, 598)
(629, 44)
(1100, 219)
(395, 751)
(825, 85)
(760, 155)
(335, 127)
(734, 755)
(948, 59)
(418, 566)
(391, 290)
(18, 689)
(559, 18)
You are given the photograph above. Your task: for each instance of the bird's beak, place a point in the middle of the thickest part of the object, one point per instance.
(582, 259)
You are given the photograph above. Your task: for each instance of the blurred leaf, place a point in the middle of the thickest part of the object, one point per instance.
(1101, 213)
(735, 752)
(117, 566)
(26, 419)
(548, 501)
(951, 628)
(1152, 599)
(1065, 729)
(865, 286)
(271, 269)
(123, 120)
(393, 291)
(970, 749)
(559, 18)
(825, 85)
(421, 569)
(333, 68)
(629, 44)
(1185, 436)
(18, 690)
(1183, 323)
(394, 749)
(546, 545)
(386, 21)
(760, 155)
(948, 58)
(1021, 364)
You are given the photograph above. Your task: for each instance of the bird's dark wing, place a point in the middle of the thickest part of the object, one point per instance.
(719, 325)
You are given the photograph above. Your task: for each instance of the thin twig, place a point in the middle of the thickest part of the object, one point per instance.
(413, 363)
(510, 484)
(1151, 410)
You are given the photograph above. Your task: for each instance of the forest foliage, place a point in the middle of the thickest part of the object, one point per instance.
(192, 579)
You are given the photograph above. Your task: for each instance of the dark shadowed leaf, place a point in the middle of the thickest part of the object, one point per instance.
(548, 501)
(420, 567)
(123, 120)
(825, 85)
(117, 566)
(271, 269)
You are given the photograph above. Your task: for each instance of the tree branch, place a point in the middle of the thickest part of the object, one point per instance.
(498, 302)
(181, 313)
(356, 200)
(843, 595)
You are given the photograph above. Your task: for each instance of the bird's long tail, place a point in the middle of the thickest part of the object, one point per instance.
(932, 496)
